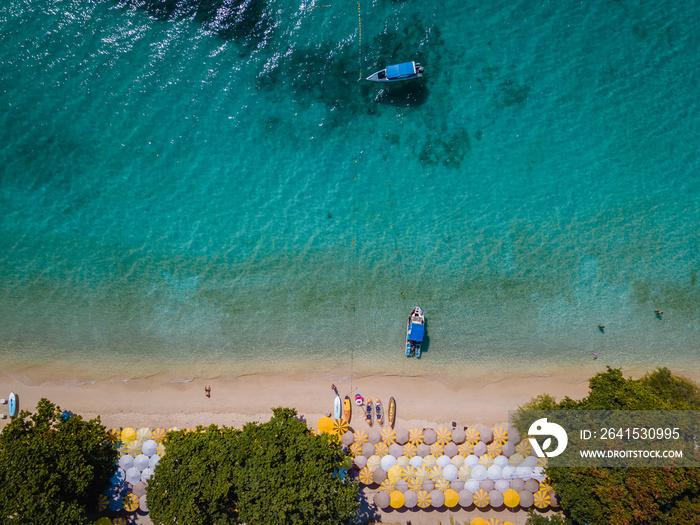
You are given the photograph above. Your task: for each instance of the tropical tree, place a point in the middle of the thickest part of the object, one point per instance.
(629, 496)
(51, 470)
(274, 472)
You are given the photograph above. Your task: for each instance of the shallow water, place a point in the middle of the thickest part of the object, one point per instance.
(215, 190)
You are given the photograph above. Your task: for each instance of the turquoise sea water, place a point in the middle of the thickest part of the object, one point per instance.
(209, 187)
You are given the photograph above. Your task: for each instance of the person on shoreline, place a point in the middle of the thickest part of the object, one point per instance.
(207, 391)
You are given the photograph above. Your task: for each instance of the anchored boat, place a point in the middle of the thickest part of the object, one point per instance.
(415, 332)
(398, 72)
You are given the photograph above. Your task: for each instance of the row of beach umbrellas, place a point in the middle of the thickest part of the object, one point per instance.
(464, 498)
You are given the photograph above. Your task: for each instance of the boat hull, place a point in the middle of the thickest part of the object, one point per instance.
(380, 412)
(337, 408)
(391, 414)
(368, 412)
(347, 409)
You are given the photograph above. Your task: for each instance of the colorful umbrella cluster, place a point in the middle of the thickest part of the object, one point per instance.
(452, 467)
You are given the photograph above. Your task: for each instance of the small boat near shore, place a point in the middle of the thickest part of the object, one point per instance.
(415, 332)
(380, 412)
(347, 409)
(391, 414)
(337, 408)
(398, 73)
(369, 412)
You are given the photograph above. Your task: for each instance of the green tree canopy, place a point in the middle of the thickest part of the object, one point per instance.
(52, 471)
(628, 496)
(275, 472)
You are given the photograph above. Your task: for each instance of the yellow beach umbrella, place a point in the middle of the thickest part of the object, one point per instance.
(387, 485)
(451, 498)
(500, 435)
(435, 472)
(436, 449)
(479, 521)
(144, 433)
(114, 435)
(325, 424)
(128, 434)
(494, 521)
(545, 485)
(118, 521)
(123, 449)
(422, 473)
(429, 461)
(424, 499)
(415, 436)
(381, 448)
(102, 502)
(465, 449)
(457, 461)
(159, 434)
(366, 476)
(173, 429)
(542, 499)
(511, 498)
(524, 448)
(394, 473)
(473, 435)
(397, 499)
(361, 436)
(463, 472)
(356, 449)
(409, 450)
(516, 459)
(160, 449)
(130, 502)
(442, 484)
(486, 460)
(388, 435)
(403, 461)
(494, 448)
(542, 462)
(481, 498)
(340, 426)
(133, 447)
(444, 436)
(373, 462)
(415, 484)
(507, 523)
(408, 472)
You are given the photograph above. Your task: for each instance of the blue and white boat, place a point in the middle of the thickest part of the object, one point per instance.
(398, 72)
(415, 332)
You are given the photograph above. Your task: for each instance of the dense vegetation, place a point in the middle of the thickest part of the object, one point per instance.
(52, 471)
(627, 496)
(275, 472)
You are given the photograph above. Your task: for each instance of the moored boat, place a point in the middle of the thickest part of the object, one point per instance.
(380, 412)
(337, 408)
(368, 417)
(347, 409)
(391, 414)
(398, 72)
(415, 332)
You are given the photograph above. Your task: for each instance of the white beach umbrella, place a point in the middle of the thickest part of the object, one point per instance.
(387, 462)
(141, 462)
(153, 461)
(501, 461)
(457, 461)
(416, 461)
(146, 474)
(529, 461)
(126, 462)
(450, 472)
(471, 485)
(523, 472)
(149, 447)
(443, 461)
(508, 472)
(479, 473)
(538, 473)
(494, 472)
(133, 475)
(472, 460)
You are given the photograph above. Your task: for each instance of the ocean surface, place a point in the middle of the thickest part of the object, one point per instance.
(210, 188)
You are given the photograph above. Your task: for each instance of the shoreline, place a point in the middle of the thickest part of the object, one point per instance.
(169, 399)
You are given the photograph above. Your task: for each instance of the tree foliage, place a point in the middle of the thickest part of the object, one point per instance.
(52, 471)
(628, 496)
(275, 472)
